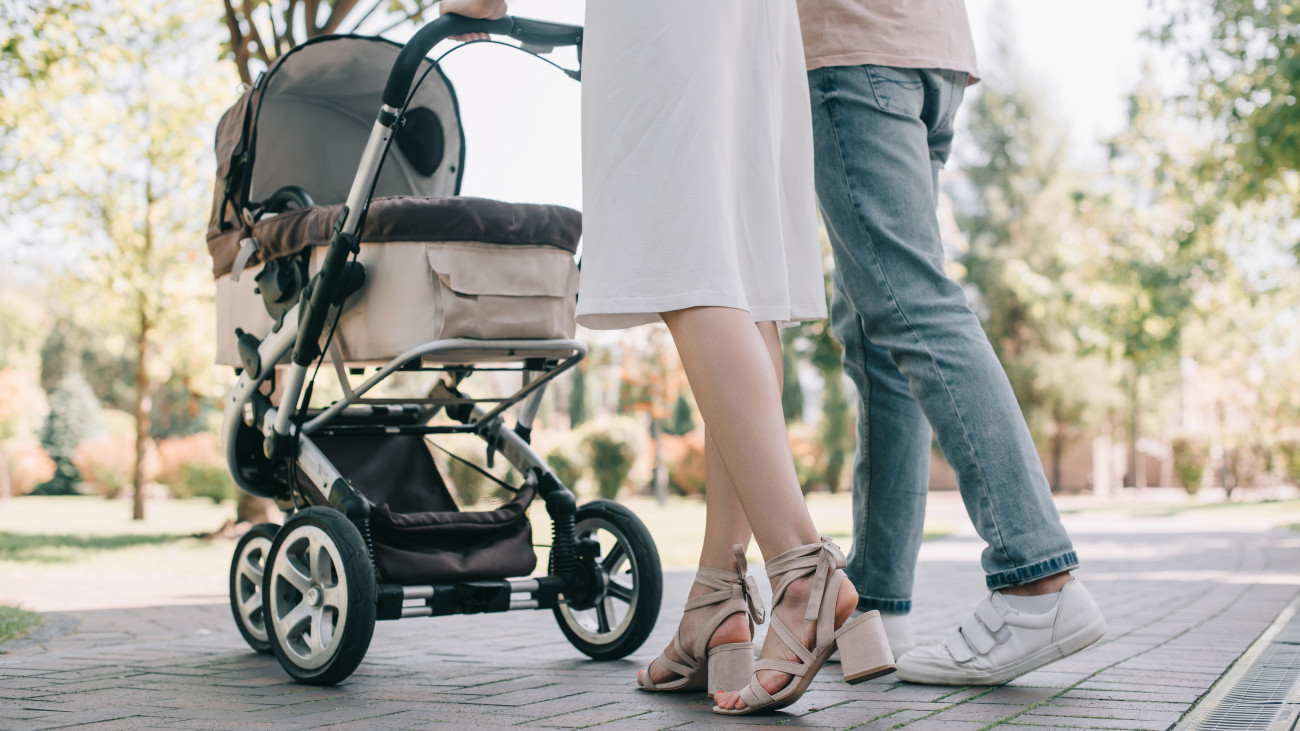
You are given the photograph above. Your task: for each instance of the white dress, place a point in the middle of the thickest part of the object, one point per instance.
(697, 163)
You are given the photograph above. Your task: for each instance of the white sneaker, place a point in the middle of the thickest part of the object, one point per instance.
(998, 643)
(898, 630)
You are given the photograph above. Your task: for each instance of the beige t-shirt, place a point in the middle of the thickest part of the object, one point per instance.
(917, 34)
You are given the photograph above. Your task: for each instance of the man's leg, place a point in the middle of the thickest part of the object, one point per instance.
(880, 135)
(891, 475)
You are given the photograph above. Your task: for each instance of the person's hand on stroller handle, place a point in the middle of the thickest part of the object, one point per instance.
(489, 9)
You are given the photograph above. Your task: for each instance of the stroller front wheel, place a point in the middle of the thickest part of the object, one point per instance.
(319, 593)
(247, 568)
(615, 623)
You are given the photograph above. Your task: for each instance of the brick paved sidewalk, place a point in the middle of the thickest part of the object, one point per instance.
(1183, 602)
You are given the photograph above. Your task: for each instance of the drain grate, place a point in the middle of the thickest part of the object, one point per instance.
(1260, 696)
(1261, 692)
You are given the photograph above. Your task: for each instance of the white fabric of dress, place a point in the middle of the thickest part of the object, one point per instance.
(697, 163)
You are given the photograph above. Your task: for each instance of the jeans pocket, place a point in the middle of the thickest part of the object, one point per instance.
(896, 89)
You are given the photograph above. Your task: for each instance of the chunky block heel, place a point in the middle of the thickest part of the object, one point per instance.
(730, 667)
(699, 668)
(864, 649)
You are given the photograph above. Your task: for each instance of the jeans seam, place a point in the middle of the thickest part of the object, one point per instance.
(893, 301)
(864, 398)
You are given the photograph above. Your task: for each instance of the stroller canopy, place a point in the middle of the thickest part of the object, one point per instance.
(305, 123)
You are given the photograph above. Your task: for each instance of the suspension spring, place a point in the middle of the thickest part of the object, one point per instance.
(564, 555)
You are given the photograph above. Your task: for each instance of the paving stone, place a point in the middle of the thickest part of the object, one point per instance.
(185, 667)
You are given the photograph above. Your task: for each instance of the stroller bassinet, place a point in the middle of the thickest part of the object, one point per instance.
(336, 235)
(439, 266)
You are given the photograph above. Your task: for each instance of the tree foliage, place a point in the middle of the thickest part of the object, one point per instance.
(260, 31)
(1243, 60)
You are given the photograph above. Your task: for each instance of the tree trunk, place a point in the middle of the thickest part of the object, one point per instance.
(143, 406)
(1138, 467)
(660, 476)
(6, 481)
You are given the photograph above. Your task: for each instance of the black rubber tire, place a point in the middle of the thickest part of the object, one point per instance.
(647, 576)
(260, 532)
(359, 625)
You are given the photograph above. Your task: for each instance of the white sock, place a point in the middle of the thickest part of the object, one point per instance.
(898, 628)
(1040, 604)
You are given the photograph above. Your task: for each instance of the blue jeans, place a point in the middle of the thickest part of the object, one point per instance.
(913, 346)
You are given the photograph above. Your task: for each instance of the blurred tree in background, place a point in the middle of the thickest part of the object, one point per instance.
(109, 140)
(1243, 61)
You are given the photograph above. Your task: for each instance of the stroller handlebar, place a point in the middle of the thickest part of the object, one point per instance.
(534, 32)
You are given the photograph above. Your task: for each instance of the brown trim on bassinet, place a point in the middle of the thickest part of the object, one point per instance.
(407, 218)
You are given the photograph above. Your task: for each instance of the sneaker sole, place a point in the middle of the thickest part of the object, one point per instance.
(997, 676)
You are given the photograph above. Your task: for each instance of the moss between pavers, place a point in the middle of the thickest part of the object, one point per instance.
(15, 623)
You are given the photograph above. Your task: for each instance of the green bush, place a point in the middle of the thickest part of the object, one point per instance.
(73, 418)
(612, 447)
(209, 481)
(1291, 454)
(567, 462)
(1190, 457)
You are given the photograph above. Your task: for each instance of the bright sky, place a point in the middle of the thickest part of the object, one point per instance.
(522, 117)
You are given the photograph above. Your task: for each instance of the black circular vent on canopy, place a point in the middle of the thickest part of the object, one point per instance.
(421, 140)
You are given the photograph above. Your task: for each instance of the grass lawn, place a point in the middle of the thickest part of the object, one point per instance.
(15, 623)
(90, 535)
(93, 535)
(678, 526)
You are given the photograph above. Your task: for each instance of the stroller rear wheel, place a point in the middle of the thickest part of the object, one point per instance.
(319, 591)
(629, 581)
(246, 572)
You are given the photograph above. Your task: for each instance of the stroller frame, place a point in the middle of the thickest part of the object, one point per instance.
(268, 446)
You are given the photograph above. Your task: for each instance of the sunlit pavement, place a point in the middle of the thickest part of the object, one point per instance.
(1184, 598)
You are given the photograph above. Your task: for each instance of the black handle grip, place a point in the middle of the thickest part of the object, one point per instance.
(539, 33)
(534, 32)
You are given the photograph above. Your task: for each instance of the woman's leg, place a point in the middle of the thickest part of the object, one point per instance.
(726, 361)
(725, 526)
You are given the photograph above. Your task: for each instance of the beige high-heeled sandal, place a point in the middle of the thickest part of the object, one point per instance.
(864, 649)
(725, 666)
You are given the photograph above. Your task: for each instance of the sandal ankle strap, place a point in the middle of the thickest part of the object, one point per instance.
(728, 585)
(820, 559)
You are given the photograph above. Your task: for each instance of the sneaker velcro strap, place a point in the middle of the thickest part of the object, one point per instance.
(989, 616)
(957, 646)
(979, 639)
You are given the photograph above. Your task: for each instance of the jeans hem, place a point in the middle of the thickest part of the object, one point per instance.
(888, 606)
(1067, 561)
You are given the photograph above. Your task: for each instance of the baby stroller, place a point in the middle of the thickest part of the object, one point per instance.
(389, 273)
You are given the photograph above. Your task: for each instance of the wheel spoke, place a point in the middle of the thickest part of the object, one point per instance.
(333, 597)
(253, 570)
(292, 621)
(316, 557)
(295, 576)
(318, 640)
(602, 618)
(251, 604)
(612, 561)
(615, 590)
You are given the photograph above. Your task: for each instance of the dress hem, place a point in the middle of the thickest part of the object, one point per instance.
(620, 314)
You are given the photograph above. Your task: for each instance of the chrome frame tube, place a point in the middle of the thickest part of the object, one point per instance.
(574, 350)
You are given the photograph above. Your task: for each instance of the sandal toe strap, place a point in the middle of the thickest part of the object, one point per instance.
(755, 695)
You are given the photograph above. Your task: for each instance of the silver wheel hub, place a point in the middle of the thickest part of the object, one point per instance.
(308, 597)
(614, 611)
